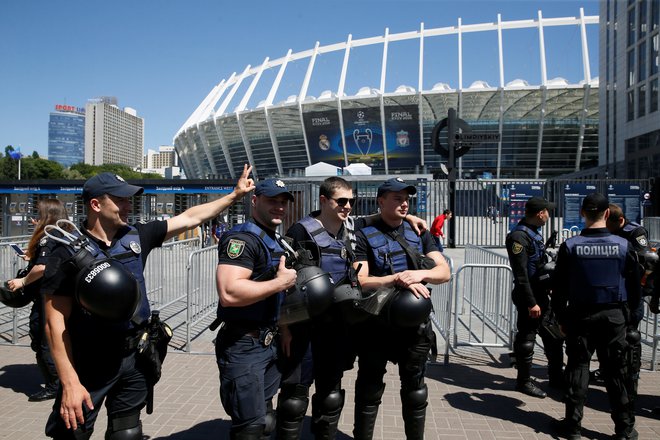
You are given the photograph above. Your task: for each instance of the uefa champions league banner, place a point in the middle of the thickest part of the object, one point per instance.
(402, 135)
(324, 137)
(363, 135)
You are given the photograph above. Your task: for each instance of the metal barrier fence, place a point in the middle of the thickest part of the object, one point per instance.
(202, 296)
(652, 224)
(165, 273)
(482, 308)
(649, 331)
(13, 322)
(442, 298)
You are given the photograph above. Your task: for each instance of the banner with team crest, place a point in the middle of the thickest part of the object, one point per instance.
(363, 135)
(402, 135)
(324, 137)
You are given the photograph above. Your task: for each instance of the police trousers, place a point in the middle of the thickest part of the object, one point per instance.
(603, 329)
(114, 379)
(379, 343)
(249, 377)
(39, 344)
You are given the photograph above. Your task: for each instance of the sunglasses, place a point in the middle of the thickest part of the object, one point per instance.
(342, 201)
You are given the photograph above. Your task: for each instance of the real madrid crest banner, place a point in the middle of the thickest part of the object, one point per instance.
(324, 137)
(402, 134)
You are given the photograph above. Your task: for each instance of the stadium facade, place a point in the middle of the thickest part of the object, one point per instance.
(545, 130)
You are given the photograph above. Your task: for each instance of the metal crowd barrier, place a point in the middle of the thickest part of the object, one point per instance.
(441, 298)
(652, 224)
(202, 296)
(482, 308)
(13, 322)
(650, 333)
(165, 272)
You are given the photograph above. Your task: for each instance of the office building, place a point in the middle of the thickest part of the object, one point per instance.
(113, 135)
(164, 162)
(629, 141)
(66, 135)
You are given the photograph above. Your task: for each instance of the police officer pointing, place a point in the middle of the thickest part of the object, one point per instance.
(596, 278)
(527, 255)
(95, 357)
(251, 280)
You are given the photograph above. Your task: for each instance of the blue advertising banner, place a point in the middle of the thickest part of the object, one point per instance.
(363, 135)
(148, 189)
(402, 135)
(574, 193)
(629, 197)
(324, 137)
(518, 194)
(422, 191)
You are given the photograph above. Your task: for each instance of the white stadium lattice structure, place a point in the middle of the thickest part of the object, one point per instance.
(545, 130)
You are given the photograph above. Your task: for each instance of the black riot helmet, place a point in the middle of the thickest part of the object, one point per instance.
(17, 299)
(311, 295)
(406, 310)
(348, 304)
(107, 290)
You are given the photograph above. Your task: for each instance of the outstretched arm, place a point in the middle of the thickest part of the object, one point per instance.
(193, 217)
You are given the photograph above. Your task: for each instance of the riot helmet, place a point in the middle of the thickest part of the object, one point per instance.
(311, 295)
(404, 309)
(16, 299)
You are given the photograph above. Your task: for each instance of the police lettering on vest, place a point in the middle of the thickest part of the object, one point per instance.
(598, 264)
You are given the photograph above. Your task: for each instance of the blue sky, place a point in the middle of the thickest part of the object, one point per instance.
(162, 57)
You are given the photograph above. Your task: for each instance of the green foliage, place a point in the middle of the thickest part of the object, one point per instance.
(35, 155)
(32, 168)
(124, 171)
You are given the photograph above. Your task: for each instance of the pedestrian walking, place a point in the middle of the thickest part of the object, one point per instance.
(437, 228)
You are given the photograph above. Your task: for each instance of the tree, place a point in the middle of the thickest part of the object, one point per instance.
(32, 168)
(35, 155)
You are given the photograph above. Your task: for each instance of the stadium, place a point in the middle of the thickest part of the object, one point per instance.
(545, 130)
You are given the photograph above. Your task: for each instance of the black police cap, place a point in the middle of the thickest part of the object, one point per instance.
(537, 204)
(595, 202)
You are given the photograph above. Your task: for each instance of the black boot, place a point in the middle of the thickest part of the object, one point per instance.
(365, 420)
(530, 389)
(43, 394)
(251, 432)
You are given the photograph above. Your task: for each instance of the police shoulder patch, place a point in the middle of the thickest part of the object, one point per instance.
(517, 248)
(642, 240)
(235, 248)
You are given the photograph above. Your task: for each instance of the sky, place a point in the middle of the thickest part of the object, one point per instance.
(162, 57)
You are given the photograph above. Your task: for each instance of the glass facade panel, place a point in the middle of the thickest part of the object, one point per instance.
(653, 53)
(654, 96)
(631, 27)
(642, 61)
(631, 105)
(234, 142)
(631, 68)
(215, 148)
(289, 133)
(66, 138)
(256, 130)
(641, 100)
(642, 24)
(655, 14)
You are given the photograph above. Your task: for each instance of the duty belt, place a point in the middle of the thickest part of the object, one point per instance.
(265, 334)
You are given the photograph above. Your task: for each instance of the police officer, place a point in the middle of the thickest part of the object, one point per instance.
(385, 251)
(330, 353)
(251, 279)
(39, 247)
(637, 237)
(527, 255)
(596, 279)
(95, 358)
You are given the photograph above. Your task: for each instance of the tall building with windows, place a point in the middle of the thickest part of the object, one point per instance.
(163, 161)
(112, 135)
(66, 135)
(629, 140)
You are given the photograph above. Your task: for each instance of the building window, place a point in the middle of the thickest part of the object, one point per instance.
(631, 68)
(655, 14)
(653, 53)
(654, 96)
(631, 105)
(642, 61)
(632, 170)
(641, 100)
(631, 27)
(642, 19)
(643, 163)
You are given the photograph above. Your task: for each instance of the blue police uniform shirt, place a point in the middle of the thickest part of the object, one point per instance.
(103, 337)
(250, 253)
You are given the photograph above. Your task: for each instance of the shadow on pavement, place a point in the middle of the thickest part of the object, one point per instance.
(220, 428)
(23, 378)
